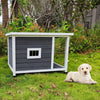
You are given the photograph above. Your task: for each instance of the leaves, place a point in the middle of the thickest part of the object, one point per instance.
(41, 85)
(97, 91)
(50, 90)
(71, 85)
(15, 79)
(33, 89)
(40, 94)
(54, 93)
(53, 85)
(65, 93)
(13, 95)
(9, 92)
(18, 91)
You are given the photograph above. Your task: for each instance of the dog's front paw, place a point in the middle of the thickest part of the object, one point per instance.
(94, 82)
(65, 81)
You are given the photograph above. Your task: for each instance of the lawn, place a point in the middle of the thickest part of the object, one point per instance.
(50, 86)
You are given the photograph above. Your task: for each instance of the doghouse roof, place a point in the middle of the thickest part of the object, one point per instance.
(34, 34)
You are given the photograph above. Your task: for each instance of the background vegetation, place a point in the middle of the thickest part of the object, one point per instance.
(52, 16)
(81, 42)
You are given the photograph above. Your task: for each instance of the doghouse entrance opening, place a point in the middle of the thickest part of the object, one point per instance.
(59, 52)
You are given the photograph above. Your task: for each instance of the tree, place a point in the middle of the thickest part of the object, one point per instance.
(15, 8)
(4, 4)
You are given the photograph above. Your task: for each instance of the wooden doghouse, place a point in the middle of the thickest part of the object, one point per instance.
(30, 52)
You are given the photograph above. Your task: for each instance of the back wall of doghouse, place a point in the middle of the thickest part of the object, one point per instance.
(22, 43)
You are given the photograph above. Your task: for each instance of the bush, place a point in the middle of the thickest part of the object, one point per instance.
(3, 44)
(18, 25)
(80, 42)
(83, 41)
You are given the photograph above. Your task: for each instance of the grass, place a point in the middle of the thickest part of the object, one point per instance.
(38, 86)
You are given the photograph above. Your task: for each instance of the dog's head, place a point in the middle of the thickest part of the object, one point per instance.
(84, 69)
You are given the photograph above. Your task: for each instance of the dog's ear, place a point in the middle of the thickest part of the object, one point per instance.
(79, 68)
(89, 67)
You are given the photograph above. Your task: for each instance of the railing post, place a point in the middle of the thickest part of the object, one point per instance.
(13, 55)
(66, 53)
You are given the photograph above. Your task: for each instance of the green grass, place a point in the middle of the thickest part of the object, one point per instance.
(35, 86)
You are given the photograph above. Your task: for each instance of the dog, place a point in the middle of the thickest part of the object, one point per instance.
(82, 76)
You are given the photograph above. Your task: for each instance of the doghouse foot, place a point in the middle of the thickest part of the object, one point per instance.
(14, 75)
(65, 72)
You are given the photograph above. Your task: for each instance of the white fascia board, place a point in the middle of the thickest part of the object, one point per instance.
(45, 70)
(34, 34)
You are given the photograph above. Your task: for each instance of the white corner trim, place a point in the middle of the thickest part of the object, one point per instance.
(33, 49)
(8, 49)
(66, 54)
(14, 55)
(52, 52)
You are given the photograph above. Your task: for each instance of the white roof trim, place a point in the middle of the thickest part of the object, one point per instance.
(34, 34)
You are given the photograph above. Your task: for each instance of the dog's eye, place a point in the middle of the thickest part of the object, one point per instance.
(86, 67)
(82, 68)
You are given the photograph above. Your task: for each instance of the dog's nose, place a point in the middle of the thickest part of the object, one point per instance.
(85, 72)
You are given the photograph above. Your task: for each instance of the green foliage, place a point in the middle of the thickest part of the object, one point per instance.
(82, 41)
(3, 42)
(36, 86)
(66, 26)
(17, 25)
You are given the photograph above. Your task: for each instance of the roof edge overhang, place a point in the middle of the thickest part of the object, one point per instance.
(38, 34)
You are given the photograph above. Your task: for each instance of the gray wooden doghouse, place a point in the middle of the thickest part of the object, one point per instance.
(30, 52)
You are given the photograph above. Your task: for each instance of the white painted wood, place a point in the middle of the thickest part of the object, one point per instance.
(52, 52)
(34, 34)
(14, 55)
(33, 49)
(8, 49)
(66, 54)
(46, 70)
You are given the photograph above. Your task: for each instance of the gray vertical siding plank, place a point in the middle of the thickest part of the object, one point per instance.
(22, 43)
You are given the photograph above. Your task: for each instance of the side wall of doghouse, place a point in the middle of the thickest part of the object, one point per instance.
(10, 50)
(22, 43)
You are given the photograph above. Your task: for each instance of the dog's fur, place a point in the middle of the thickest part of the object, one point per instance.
(82, 76)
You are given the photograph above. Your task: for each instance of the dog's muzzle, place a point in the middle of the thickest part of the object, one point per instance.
(85, 72)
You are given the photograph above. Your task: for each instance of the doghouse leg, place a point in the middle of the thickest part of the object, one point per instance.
(66, 54)
(65, 72)
(14, 74)
(14, 55)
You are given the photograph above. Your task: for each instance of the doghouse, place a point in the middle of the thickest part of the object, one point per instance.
(30, 52)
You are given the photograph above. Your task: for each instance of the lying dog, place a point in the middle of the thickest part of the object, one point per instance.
(82, 76)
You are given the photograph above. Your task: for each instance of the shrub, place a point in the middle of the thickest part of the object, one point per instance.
(80, 42)
(3, 44)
